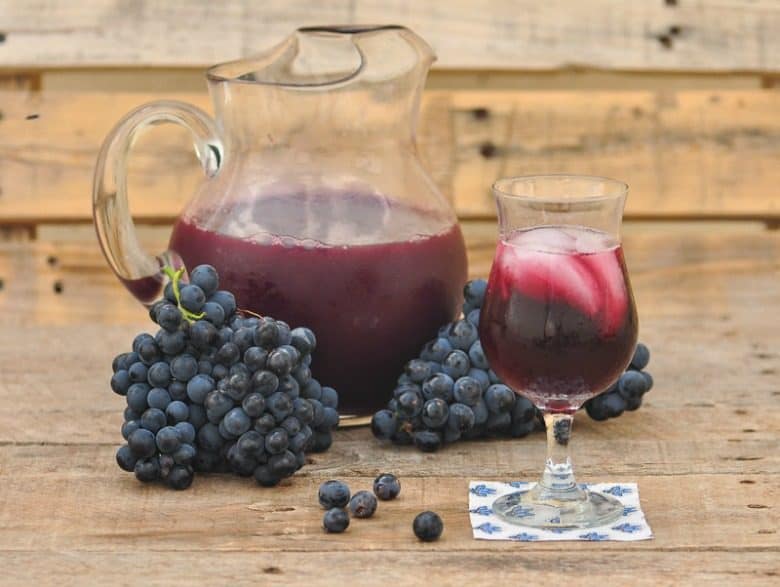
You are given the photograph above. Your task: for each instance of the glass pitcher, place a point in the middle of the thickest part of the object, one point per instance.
(315, 208)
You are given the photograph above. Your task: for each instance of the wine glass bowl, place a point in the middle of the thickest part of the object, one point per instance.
(559, 323)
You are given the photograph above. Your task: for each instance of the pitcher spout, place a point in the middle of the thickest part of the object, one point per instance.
(323, 57)
(353, 82)
(386, 51)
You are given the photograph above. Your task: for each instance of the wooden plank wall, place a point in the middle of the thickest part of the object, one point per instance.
(678, 98)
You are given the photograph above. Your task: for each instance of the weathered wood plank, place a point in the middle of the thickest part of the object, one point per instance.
(370, 569)
(97, 506)
(500, 34)
(685, 154)
(680, 152)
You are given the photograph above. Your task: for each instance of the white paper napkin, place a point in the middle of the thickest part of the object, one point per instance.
(487, 526)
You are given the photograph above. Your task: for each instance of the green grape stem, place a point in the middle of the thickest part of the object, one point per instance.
(175, 276)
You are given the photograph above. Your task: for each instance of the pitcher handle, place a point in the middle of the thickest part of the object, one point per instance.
(139, 271)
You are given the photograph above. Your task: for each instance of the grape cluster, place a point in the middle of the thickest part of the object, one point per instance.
(218, 390)
(627, 392)
(449, 392)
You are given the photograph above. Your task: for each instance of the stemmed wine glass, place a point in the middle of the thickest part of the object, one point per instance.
(559, 324)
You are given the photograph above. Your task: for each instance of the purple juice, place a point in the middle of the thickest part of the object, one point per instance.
(559, 323)
(372, 302)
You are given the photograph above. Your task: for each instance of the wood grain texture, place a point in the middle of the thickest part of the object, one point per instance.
(682, 153)
(643, 568)
(703, 448)
(101, 508)
(685, 154)
(718, 35)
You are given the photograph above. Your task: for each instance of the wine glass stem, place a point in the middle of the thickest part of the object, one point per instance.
(558, 477)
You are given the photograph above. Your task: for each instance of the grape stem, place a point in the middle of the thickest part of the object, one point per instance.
(250, 312)
(175, 276)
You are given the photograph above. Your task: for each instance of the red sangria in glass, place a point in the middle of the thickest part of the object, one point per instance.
(559, 324)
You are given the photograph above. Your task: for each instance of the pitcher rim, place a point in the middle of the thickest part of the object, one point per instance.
(349, 30)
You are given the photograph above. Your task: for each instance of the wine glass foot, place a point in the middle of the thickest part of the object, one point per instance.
(539, 510)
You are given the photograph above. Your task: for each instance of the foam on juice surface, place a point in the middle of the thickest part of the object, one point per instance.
(327, 218)
(573, 265)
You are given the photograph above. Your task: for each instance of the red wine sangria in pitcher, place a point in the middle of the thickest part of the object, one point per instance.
(315, 208)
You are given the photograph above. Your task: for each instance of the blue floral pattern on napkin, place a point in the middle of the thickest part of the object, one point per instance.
(487, 526)
(482, 510)
(482, 490)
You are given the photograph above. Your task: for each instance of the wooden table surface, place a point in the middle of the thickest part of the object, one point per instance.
(703, 448)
